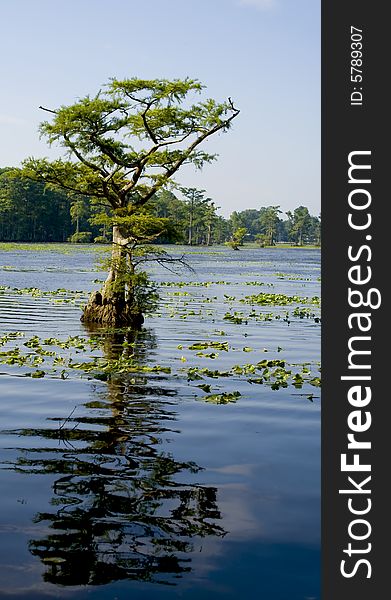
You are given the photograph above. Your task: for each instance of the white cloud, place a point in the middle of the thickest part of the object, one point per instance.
(259, 4)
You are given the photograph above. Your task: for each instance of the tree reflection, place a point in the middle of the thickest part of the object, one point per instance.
(123, 507)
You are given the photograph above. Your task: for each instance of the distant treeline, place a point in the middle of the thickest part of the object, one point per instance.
(31, 212)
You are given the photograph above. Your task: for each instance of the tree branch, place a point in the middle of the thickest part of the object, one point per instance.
(142, 163)
(144, 118)
(54, 112)
(82, 159)
(104, 148)
(186, 154)
(164, 260)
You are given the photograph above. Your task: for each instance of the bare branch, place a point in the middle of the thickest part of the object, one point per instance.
(164, 260)
(54, 112)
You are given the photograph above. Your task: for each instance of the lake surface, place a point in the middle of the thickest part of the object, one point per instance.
(143, 484)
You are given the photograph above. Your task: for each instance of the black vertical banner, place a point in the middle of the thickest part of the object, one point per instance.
(356, 421)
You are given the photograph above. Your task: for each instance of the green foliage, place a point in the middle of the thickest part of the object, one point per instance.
(141, 228)
(142, 292)
(302, 226)
(145, 292)
(266, 227)
(31, 212)
(129, 139)
(261, 239)
(269, 221)
(239, 235)
(101, 239)
(200, 217)
(248, 218)
(82, 237)
(237, 238)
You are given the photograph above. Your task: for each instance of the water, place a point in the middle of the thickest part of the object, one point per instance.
(137, 487)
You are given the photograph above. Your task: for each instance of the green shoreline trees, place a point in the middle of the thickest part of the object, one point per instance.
(30, 212)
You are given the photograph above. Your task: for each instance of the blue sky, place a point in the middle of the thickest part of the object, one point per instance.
(265, 54)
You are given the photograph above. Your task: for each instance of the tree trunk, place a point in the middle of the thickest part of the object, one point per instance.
(190, 237)
(115, 305)
(208, 234)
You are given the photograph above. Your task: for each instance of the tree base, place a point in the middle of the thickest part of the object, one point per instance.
(111, 312)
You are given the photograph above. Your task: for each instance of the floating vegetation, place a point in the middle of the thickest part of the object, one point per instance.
(4, 339)
(303, 312)
(236, 317)
(42, 359)
(103, 357)
(204, 345)
(66, 296)
(239, 318)
(192, 283)
(269, 372)
(179, 294)
(207, 284)
(37, 374)
(99, 367)
(211, 355)
(278, 299)
(223, 398)
(257, 283)
(52, 247)
(196, 373)
(292, 277)
(205, 387)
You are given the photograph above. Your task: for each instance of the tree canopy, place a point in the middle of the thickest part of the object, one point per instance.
(126, 142)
